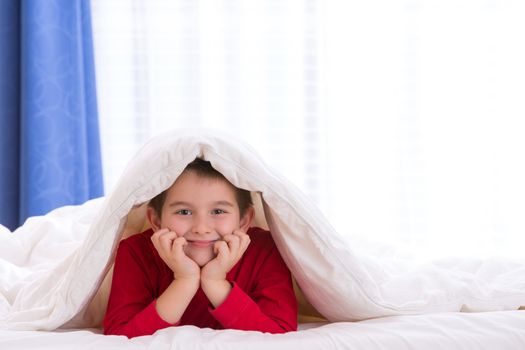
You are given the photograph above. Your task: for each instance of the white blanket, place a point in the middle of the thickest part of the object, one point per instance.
(500, 330)
(52, 266)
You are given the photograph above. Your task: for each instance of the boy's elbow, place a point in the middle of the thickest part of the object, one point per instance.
(121, 330)
(284, 327)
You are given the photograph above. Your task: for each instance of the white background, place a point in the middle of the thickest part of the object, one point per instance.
(402, 120)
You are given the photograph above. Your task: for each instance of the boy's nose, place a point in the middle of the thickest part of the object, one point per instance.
(201, 226)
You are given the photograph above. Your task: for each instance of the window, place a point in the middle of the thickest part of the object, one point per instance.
(402, 120)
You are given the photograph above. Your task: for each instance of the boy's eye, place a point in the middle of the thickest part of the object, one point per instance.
(218, 211)
(183, 212)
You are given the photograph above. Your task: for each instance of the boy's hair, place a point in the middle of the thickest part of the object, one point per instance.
(204, 169)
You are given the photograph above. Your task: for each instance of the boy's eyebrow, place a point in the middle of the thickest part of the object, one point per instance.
(179, 203)
(224, 203)
(186, 204)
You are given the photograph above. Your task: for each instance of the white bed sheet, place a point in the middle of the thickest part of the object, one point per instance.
(498, 330)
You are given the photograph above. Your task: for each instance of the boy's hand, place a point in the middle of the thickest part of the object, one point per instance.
(213, 274)
(229, 250)
(170, 248)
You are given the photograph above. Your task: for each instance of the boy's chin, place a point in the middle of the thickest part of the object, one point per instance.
(202, 258)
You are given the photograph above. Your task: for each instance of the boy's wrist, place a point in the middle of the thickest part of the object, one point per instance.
(172, 303)
(187, 282)
(217, 290)
(213, 280)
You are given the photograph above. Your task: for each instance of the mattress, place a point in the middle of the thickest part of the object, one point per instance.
(501, 330)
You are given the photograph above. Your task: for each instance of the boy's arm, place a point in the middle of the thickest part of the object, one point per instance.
(172, 303)
(270, 306)
(132, 308)
(213, 276)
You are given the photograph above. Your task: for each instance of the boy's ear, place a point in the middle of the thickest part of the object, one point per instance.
(247, 218)
(153, 219)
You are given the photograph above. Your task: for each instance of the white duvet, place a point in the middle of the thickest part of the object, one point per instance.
(52, 266)
(503, 330)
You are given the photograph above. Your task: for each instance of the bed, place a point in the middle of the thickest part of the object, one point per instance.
(55, 271)
(500, 330)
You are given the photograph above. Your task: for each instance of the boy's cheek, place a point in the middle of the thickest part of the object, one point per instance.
(227, 230)
(178, 229)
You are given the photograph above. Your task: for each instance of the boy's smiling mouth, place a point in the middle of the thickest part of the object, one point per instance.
(201, 243)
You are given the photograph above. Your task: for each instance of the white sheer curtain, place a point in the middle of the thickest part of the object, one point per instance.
(248, 67)
(403, 120)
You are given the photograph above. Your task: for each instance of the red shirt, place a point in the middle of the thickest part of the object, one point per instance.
(262, 297)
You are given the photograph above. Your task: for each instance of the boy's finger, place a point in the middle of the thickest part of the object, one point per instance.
(221, 249)
(155, 239)
(156, 234)
(233, 242)
(166, 240)
(159, 232)
(244, 240)
(240, 233)
(178, 245)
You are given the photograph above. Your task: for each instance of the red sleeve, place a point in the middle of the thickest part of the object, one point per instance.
(270, 307)
(131, 307)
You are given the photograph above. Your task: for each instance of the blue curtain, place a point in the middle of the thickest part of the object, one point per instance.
(49, 138)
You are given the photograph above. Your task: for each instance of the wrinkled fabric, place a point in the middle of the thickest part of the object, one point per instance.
(52, 266)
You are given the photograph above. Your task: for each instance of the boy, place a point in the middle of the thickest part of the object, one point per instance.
(201, 264)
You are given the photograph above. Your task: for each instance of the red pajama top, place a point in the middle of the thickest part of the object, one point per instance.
(262, 297)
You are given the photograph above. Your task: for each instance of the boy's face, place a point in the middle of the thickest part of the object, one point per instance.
(201, 210)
